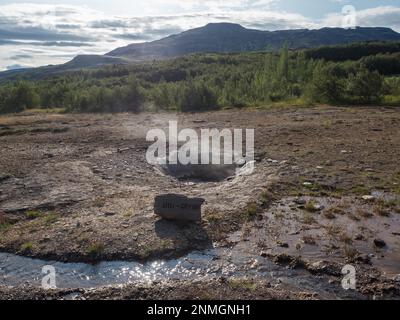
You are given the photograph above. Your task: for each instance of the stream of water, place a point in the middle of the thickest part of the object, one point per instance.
(213, 263)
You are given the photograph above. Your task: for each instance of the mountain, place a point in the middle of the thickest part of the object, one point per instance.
(229, 37)
(79, 62)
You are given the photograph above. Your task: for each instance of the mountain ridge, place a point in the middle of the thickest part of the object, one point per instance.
(233, 38)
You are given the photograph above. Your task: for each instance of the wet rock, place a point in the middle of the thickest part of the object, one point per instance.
(379, 243)
(253, 264)
(363, 258)
(324, 267)
(283, 258)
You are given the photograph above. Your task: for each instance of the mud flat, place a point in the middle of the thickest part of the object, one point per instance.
(325, 193)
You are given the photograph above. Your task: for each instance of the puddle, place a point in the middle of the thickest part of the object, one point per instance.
(314, 236)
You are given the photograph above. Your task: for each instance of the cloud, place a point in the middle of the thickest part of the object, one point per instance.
(37, 33)
(383, 16)
(16, 66)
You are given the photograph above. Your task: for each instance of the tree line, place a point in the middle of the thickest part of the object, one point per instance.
(210, 81)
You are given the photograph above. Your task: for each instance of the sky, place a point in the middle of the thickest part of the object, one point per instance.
(42, 32)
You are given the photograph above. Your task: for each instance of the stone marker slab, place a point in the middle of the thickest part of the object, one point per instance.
(178, 207)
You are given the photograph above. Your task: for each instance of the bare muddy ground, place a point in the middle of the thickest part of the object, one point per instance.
(325, 193)
(199, 290)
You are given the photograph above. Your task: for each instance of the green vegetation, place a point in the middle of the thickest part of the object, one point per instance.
(4, 226)
(311, 206)
(31, 214)
(51, 218)
(242, 284)
(366, 73)
(95, 249)
(251, 211)
(213, 216)
(27, 246)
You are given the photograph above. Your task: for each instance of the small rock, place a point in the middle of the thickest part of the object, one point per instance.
(254, 264)
(359, 237)
(4, 177)
(368, 198)
(318, 207)
(300, 201)
(123, 150)
(3, 218)
(282, 244)
(379, 243)
(364, 258)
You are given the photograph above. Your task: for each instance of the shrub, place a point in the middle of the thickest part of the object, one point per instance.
(365, 86)
(327, 86)
(196, 97)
